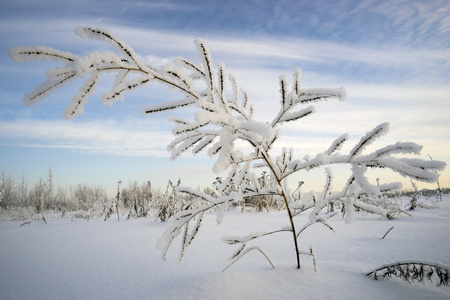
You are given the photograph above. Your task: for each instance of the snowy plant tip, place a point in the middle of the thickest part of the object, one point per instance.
(106, 36)
(291, 98)
(43, 53)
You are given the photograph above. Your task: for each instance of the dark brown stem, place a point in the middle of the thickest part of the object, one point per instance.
(286, 202)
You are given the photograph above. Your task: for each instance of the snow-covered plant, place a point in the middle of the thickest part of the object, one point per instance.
(220, 121)
(169, 203)
(413, 271)
(424, 198)
(114, 206)
(137, 199)
(391, 202)
(7, 191)
(266, 202)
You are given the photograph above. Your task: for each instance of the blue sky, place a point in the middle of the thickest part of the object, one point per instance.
(393, 58)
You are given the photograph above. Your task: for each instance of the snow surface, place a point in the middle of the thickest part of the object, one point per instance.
(76, 259)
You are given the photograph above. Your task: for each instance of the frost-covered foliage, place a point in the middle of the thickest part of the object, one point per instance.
(24, 202)
(84, 202)
(424, 198)
(219, 122)
(138, 199)
(167, 204)
(114, 205)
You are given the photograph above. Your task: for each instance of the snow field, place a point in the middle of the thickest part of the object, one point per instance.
(118, 259)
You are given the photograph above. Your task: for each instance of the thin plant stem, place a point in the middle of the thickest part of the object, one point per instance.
(283, 194)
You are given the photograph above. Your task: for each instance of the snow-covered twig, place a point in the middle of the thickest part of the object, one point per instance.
(247, 251)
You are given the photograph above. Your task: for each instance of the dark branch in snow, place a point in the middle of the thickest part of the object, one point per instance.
(413, 271)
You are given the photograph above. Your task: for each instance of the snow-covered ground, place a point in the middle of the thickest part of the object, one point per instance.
(76, 259)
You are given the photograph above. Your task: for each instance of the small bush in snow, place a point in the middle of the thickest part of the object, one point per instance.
(219, 123)
(137, 199)
(424, 198)
(413, 272)
(114, 205)
(169, 203)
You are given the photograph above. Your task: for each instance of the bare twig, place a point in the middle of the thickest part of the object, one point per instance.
(387, 232)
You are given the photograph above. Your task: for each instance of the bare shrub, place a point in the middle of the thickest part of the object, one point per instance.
(413, 271)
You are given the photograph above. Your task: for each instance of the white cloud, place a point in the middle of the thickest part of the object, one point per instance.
(157, 60)
(137, 138)
(149, 42)
(159, 5)
(325, 51)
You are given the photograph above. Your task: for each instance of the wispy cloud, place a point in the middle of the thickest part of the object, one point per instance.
(413, 21)
(406, 61)
(108, 137)
(165, 5)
